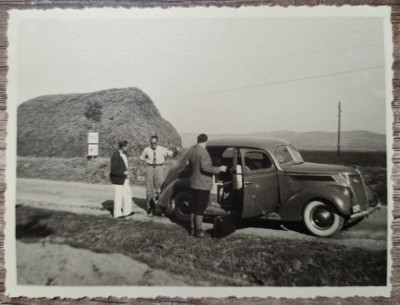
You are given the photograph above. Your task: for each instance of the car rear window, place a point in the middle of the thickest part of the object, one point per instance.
(257, 160)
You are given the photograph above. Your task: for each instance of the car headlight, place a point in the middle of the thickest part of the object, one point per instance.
(347, 191)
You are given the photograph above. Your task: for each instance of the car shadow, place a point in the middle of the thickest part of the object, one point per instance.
(273, 225)
(140, 202)
(260, 223)
(276, 225)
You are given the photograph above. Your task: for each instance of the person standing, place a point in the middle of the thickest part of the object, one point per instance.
(201, 183)
(119, 176)
(155, 155)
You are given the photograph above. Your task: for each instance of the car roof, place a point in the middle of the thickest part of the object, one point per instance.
(248, 141)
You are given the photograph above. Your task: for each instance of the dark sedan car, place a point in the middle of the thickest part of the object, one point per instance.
(268, 177)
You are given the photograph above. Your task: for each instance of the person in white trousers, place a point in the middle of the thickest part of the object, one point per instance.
(119, 176)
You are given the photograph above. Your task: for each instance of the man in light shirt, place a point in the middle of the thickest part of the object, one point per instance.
(155, 155)
(119, 176)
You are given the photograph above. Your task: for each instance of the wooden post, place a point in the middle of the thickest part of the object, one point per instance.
(338, 141)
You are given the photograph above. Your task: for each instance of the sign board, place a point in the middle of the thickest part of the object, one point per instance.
(93, 138)
(93, 150)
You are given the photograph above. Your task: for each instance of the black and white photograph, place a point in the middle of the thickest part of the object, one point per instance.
(199, 152)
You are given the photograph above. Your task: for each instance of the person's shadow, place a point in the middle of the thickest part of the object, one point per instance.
(108, 205)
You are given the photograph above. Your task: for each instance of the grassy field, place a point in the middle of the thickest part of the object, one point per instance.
(237, 260)
(349, 158)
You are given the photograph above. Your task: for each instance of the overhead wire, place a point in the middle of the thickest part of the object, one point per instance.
(276, 83)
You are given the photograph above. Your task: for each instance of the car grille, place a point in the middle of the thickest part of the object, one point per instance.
(358, 188)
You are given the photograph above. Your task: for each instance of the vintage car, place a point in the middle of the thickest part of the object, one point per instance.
(268, 178)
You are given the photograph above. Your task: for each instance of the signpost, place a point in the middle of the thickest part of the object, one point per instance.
(93, 150)
(93, 137)
(93, 144)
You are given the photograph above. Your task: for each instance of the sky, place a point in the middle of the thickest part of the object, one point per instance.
(223, 73)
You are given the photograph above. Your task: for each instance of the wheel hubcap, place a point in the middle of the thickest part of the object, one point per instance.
(184, 207)
(322, 218)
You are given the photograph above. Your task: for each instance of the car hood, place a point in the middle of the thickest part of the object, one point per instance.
(317, 168)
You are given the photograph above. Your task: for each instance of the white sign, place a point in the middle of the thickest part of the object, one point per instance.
(93, 138)
(93, 150)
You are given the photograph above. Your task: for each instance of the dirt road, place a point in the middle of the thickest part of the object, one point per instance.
(371, 233)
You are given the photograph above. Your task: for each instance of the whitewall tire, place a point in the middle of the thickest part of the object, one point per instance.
(321, 219)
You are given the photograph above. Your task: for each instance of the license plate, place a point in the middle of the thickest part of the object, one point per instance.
(356, 208)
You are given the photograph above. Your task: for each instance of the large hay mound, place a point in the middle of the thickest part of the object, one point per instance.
(56, 125)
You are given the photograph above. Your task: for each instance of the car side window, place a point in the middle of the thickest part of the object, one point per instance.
(257, 160)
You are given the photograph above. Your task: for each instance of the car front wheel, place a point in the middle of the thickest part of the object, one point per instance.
(183, 202)
(321, 219)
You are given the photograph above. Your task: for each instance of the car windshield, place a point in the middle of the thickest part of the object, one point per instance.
(288, 154)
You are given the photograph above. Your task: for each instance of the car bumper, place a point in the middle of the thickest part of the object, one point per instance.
(366, 212)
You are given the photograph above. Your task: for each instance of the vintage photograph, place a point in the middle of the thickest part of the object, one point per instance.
(243, 150)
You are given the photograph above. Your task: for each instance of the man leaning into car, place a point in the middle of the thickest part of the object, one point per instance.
(201, 183)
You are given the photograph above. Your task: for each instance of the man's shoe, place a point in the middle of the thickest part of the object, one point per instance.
(163, 210)
(149, 210)
(200, 234)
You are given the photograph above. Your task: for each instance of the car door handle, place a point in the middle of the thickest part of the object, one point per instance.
(247, 183)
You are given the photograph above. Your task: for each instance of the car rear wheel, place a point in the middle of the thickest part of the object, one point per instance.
(321, 219)
(182, 205)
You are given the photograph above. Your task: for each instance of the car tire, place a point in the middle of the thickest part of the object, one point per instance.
(182, 205)
(321, 219)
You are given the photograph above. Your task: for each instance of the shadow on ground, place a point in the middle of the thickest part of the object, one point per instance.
(265, 224)
(30, 227)
(140, 202)
(108, 205)
(243, 224)
(273, 225)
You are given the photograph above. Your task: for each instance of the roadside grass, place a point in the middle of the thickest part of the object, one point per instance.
(96, 171)
(237, 260)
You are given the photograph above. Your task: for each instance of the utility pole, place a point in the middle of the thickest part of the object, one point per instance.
(338, 139)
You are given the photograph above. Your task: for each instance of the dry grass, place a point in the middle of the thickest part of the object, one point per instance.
(56, 125)
(237, 260)
(94, 171)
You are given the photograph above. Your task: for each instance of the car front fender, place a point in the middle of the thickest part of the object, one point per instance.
(292, 209)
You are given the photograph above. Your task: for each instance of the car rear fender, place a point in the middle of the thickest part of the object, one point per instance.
(171, 189)
(292, 209)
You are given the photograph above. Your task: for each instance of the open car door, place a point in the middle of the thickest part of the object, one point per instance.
(260, 183)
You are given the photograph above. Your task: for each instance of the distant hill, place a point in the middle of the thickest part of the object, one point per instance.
(56, 125)
(350, 140)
